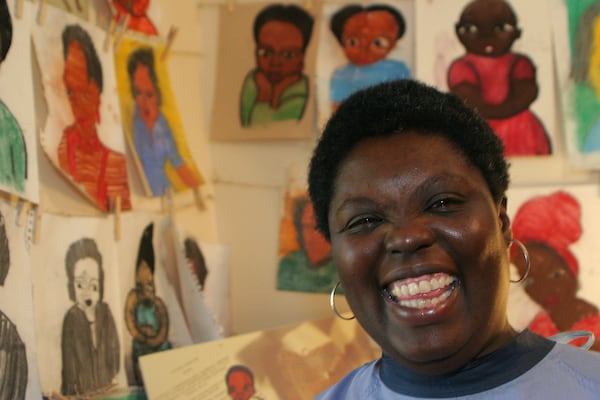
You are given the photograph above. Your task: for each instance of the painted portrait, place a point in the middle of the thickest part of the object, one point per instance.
(305, 262)
(18, 150)
(151, 120)
(136, 12)
(240, 383)
(82, 136)
(360, 45)
(265, 83)
(496, 55)
(552, 223)
(91, 355)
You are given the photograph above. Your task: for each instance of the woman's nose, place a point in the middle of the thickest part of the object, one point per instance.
(408, 237)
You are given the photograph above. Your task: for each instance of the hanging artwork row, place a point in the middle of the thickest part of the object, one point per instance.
(92, 91)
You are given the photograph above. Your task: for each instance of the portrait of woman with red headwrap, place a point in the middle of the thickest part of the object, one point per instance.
(548, 225)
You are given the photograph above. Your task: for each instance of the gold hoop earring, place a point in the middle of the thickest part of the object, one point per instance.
(527, 260)
(332, 303)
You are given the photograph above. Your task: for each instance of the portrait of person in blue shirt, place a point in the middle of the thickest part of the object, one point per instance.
(152, 136)
(409, 184)
(367, 36)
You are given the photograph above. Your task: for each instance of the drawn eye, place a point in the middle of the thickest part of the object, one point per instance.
(467, 28)
(264, 53)
(505, 27)
(79, 286)
(94, 287)
(381, 43)
(351, 42)
(288, 54)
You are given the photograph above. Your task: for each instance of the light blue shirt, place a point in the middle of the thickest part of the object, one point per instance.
(154, 148)
(352, 78)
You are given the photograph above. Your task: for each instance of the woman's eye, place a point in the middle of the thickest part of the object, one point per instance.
(381, 43)
(444, 204)
(363, 224)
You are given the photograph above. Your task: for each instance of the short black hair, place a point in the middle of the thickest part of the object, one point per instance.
(4, 251)
(146, 249)
(290, 13)
(78, 250)
(5, 30)
(396, 107)
(193, 252)
(75, 33)
(339, 18)
(239, 368)
(143, 56)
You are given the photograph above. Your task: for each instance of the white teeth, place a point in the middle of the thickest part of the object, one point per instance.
(435, 284)
(424, 303)
(413, 288)
(423, 286)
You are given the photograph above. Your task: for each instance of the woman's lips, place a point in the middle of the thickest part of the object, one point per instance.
(425, 291)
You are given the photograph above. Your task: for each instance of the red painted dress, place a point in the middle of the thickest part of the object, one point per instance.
(522, 134)
(543, 325)
(100, 171)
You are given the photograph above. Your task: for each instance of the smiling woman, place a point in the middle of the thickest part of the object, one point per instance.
(409, 186)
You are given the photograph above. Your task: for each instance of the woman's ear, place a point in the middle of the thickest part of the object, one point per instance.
(505, 221)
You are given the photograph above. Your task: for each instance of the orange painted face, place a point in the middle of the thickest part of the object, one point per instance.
(279, 51)
(240, 386)
(146, 95)
(83, 93)
(369, 36)
(317, 248)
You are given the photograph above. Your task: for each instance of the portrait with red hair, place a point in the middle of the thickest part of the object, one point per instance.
(548, 225)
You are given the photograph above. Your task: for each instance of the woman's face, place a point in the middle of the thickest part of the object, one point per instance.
(82, 92)
(421, 250)
(145, 280)
(146, 95)
(369, 36)
(279, 51)
(488, 28)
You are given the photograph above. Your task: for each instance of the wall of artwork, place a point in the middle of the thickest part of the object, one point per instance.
(221, 238)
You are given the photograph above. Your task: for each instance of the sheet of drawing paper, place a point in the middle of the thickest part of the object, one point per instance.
(18, 144)
(68, 289)
(16, 306)
(297, 361)
(202, 273)
(130, 278)
(82, 136)
(257, 96)
(153, 128)
(564, 220)
(576, 28)
(439, 47)
(79, 8)
(381, 55)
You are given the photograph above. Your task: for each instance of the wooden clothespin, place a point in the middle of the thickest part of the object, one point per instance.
(198, 199)
(23, 212)
(14, 200)
(37, 228)
(19, 8)
(231, 5)
(123, 23)
(170, 204)
(117, 216)
(41, 19)
(309, 4)
(109, 33)
(170, 39)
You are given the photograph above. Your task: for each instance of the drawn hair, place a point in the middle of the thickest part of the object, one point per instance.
(299, 207)
(143, 56)
(291, 14)
(83, 248)
(582, 46)
(239, 368)
(339, 18)
(193, 252)
(5, 30)
(4, 251)
(75, 33)
(146, 250)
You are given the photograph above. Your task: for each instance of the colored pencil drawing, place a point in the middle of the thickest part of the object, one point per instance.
(151, 120)
(196, 261)
(240, 383)
(13, 358)
(90, 342)
(367, 35)
(497, 81)
(82, 136)
(277, 88)
(305, 262)
(146, 314)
